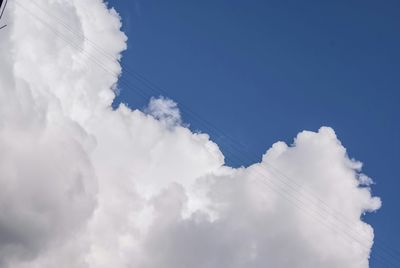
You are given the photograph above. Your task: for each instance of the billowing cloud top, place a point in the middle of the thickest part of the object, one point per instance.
(86, 186)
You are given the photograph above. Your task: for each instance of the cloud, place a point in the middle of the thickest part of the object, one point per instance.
(165, 110)
(83, 185)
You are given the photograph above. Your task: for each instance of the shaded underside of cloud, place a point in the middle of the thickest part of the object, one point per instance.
(85, 185)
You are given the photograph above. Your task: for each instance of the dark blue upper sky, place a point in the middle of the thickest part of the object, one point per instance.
(262, 71)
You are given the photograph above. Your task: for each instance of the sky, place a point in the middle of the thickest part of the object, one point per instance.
(264, 70)
(212, 134)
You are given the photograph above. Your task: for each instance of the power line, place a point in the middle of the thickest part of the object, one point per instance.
(2, 11)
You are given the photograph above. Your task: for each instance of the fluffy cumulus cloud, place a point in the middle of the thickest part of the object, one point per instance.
(83, 185)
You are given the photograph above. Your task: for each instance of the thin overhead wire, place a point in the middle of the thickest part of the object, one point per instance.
(2, 12)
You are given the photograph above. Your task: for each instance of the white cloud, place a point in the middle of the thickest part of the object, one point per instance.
(82, 185)
(164, 110)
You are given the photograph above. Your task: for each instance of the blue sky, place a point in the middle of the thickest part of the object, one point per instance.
(264, 70)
